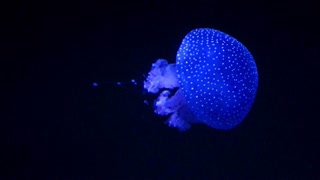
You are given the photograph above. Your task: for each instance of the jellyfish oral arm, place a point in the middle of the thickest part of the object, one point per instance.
(176, 107)
(165, 105)
(161, 75)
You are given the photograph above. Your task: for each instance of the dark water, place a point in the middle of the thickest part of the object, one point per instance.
(55, 125)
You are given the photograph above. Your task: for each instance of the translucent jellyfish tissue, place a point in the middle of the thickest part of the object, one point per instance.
(216, 77)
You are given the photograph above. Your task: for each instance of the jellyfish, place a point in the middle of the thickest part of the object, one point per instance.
(213, 82)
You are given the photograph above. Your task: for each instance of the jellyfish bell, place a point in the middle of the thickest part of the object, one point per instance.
(216, 77)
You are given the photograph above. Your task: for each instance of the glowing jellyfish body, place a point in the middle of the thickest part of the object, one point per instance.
(217, 80)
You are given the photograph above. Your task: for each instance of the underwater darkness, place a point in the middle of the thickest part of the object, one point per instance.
(56, 125)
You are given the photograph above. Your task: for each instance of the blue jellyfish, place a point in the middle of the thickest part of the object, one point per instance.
(214, 82)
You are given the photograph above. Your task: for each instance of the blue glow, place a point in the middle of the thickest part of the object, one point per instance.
(218, 77)
(94, 84)
(215, 78)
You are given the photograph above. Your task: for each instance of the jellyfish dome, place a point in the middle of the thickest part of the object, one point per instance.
(214, 82)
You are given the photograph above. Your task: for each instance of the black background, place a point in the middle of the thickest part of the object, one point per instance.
(55, 125)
